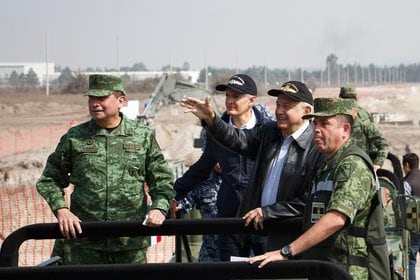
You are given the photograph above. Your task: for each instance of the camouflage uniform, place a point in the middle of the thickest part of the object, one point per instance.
(204, 198)
(352, 191)
(366, 134)
(346, 184)
(108, 169)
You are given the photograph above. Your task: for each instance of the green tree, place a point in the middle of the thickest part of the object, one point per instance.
(21, 82)
(125, 69)
(186, 66)
(65, 78)
(78, 84)
(139, 66)
(14, 79)
(32, 78)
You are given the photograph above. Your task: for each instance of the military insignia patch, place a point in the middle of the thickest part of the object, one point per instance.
(343, 173)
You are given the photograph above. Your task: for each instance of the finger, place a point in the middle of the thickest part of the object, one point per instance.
(190, 111)
(256, 224)
(261, 224)
(263, 263)
(78, 227)
(66, 231)
(72, 231)
(253, 260)
(247, 221)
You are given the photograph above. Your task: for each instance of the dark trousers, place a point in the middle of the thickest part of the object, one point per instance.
(414, 250)
(252, 245)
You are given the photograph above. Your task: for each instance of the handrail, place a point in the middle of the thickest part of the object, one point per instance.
(10, 247)
(219, 270)
(186, 271)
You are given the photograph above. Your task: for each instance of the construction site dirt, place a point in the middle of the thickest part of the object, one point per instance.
(175, 130)
(32, 124)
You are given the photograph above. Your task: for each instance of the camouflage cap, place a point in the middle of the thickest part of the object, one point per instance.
(348, 92)
(327, 107)
(104, 85)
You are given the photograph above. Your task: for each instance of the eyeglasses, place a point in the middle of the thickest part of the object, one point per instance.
(288, 87)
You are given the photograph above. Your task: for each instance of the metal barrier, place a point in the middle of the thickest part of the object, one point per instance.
(223, 270)
(194, 271)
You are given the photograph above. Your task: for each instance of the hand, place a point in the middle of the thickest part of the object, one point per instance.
(217, 168)
(173, 208)
(256, 217)
(67, 195)
(149, 200)
(267, 257)
(202, 109)
(68, 223)
(155, 218)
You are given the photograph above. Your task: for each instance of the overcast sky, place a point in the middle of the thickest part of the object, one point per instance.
(221, 33)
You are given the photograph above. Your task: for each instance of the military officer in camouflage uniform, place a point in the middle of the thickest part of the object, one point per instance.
(366, 134)
(340, 197)
(108, 159)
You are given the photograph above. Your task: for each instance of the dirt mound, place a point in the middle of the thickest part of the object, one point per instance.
(176, 130)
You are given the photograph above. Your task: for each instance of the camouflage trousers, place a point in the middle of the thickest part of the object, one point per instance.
(77, 255)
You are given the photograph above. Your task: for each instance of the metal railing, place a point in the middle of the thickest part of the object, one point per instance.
(312, 269)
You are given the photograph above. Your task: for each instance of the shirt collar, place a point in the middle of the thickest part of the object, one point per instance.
(301, 129)
(250, 124)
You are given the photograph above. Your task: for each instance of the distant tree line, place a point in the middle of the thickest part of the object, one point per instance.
(21, 82)
(334, 74)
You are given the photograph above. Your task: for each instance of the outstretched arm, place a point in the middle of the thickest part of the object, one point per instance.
(202, 109)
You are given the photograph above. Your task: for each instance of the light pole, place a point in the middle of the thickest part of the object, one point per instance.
(47, 84)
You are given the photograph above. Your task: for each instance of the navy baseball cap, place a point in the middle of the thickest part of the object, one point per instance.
(295, 90)
(240, 83)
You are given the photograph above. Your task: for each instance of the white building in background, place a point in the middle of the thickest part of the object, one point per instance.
(189, 76)
(40, 68)
(7, 68)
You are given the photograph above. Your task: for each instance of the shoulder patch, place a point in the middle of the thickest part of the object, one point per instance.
(343, 172)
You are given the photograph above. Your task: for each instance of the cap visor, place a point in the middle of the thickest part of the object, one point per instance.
(308, 116)
(239, 89)
(277, 92)
(98, 92)
(221, 87)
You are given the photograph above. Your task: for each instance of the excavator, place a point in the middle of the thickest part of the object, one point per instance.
(170, 91)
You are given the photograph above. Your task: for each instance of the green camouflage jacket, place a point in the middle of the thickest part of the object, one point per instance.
(348, 187)
(108, 170)
(368, 137)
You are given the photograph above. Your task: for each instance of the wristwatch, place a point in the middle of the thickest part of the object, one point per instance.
(286, 251)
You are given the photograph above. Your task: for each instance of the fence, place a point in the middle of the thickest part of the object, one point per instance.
(21, 206)
(17, 141)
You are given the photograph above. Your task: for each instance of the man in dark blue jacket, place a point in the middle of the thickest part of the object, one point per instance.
(241, 112)
(284, 153)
